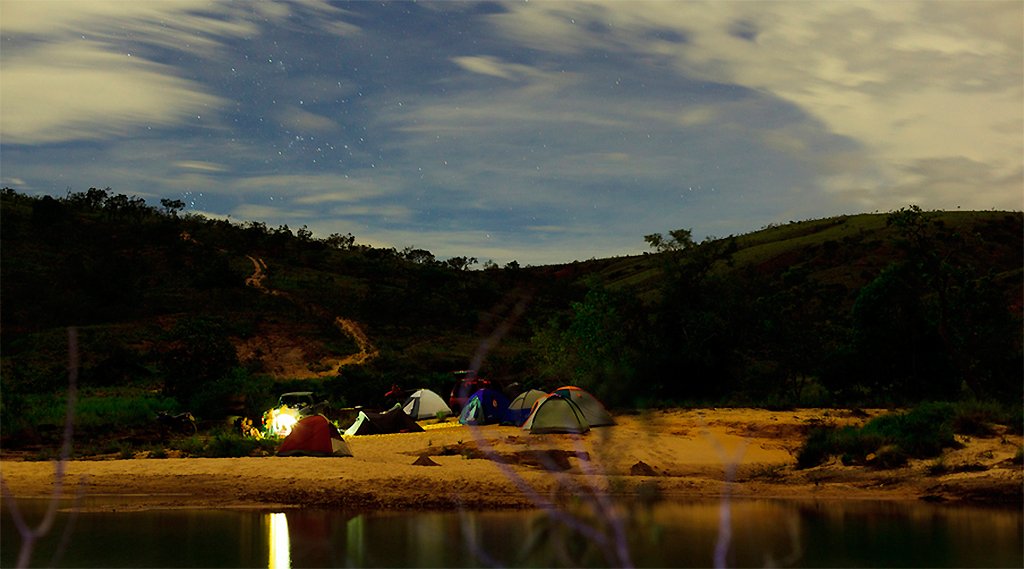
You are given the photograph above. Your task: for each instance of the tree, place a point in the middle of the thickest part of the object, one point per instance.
(695, 317)
(200, 354)
(461, 263)
(930, 325)
(339, 241)
(172, 207)
(677, 240)
(600, 345)
(420, 256)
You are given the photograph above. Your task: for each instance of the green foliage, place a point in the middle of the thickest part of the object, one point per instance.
(600, 348)
(923, 432)
(866, 309)
(223, 445)
(199, 355)
(121, 411)
(930, 323)
(237, 393)
(230, 445)
(92, 410)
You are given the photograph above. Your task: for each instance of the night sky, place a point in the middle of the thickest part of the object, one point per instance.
(542, 132)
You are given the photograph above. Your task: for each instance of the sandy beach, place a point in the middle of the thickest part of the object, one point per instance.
(667, 455)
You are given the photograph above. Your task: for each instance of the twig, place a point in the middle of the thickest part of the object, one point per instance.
(29, 535)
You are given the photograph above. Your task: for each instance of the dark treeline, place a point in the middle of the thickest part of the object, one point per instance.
(875, 309)
(926, 306)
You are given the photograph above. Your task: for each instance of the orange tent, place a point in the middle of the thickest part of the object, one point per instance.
(314, 436)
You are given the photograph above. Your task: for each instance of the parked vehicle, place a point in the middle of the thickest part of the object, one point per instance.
(290, 408)
(466, 384)
(304, 402)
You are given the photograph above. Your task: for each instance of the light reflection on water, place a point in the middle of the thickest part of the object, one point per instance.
(764, 533)
(279, 556)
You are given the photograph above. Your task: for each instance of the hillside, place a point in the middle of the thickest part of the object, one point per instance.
(175, 303)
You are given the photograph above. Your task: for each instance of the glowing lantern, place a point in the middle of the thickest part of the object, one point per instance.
(279, 421)
(283, 422)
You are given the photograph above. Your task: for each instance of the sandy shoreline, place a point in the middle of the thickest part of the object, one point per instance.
(667, 455)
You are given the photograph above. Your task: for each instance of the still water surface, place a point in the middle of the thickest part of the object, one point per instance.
(748, 533)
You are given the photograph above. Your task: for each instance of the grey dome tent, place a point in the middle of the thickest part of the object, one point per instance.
(425, 404)
(593, 410)
(556, 414)
(520, 407)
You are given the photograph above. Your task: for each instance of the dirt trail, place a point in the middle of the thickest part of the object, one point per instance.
(259, 277)
(367, 351)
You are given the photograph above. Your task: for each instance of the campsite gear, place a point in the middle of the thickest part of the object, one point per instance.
(180, 423)
(520, 407)
(393, 420)
(313, 436)
(425, 404)
(485, 407)
(556, 414)
(593, 410)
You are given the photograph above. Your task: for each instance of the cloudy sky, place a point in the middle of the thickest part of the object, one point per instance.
(537, 131)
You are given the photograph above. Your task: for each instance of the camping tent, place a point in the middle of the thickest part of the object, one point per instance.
(556, 414)
(393, 420)
(520, 407)
(313, 436)
(592, 409)
(425, 404)
(484, 407)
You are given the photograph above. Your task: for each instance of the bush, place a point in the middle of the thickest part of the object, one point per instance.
(921, 433)
(978, 418)
(224, 445)
(227, 445)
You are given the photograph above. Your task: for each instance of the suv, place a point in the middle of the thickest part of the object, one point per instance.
(303, 402)
(466, 384)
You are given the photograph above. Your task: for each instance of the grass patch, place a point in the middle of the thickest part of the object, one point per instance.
(979, 418)
(96, 410)
(224, 445)
(887, 441)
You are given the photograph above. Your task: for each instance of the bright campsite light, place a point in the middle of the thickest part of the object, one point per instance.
(283, 422)
(280, 420)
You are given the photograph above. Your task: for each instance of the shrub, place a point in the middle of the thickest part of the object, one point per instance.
(889, 456)
(227, 445)
(223, 445)
(921, 433)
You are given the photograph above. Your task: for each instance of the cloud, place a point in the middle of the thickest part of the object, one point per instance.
(495, 67)
(316, 189)
(88, 69)
(910, 82)
(295, 119)
(81, 91)
(201, 166)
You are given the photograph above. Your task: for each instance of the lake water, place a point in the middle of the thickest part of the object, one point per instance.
(746, 533)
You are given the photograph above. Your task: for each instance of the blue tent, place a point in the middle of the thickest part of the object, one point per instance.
(484, 407)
